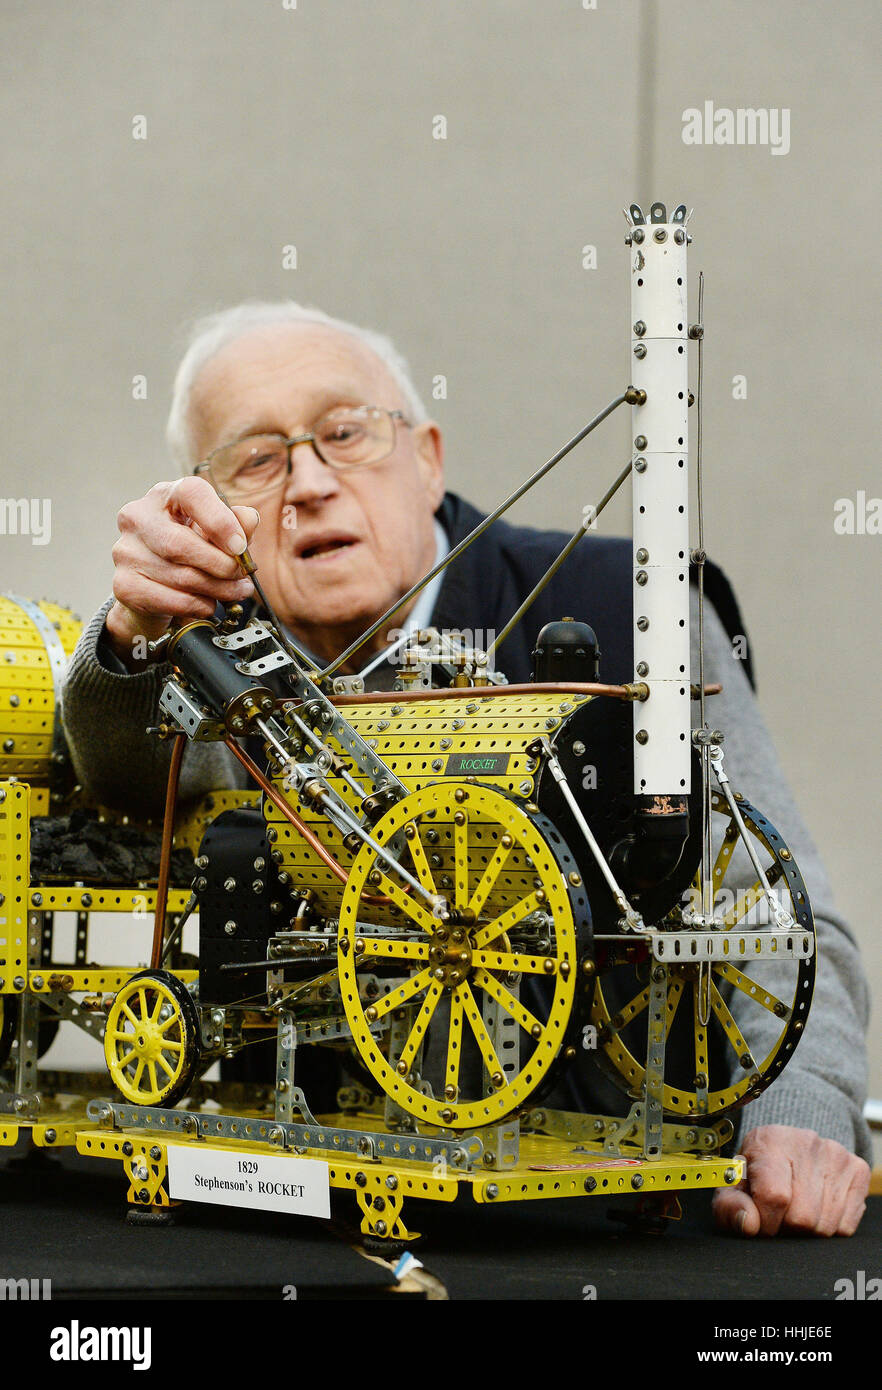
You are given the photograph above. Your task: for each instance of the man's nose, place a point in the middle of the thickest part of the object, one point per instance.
(310, 479)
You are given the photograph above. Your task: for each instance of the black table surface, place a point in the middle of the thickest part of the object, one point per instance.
(62, 1217)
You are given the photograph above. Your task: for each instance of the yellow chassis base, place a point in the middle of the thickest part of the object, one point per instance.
(547, 1168)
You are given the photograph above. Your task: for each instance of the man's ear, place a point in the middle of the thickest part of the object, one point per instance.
(429, 445)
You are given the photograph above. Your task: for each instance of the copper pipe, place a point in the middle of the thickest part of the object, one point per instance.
(168, 826)
(290, 814)
(377, 697)
(287, 811)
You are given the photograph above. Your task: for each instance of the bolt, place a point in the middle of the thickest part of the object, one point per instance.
(230, 928)
(590, 1184)
(642, 668)
(38, 899)
(640, 442)
(660, 234)
(679, 236)
(639, 328)
(638, 234)
(361, 1180)
(730, 1174)
(156, 1153)
(525, 787)
(50, 1136)
(447, 1116)
(642, 624)
(128, 1149)
(640, 465)
(201, 861)
(38, 982)
(642, 556)
(380, 1228)
(642, 736)
(642, 577)
(229, 884)
(491, 1191)
(696, 330)
(640, 350)
(143, 1195)
(637, 1180)
(392, 1182)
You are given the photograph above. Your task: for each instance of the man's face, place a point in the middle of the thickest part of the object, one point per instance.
(333, 549)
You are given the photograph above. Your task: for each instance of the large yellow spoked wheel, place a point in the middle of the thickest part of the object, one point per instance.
(487, 987)
(151, 1041)
(715, 1062)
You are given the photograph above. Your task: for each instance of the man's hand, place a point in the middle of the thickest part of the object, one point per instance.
(175, 558)
(796, 1181)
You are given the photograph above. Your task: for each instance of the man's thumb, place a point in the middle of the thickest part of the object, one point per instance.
(735, 1210)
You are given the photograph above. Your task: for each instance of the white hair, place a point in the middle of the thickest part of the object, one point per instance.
(211, 333)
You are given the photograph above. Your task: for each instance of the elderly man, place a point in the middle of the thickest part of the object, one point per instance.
(267, 402)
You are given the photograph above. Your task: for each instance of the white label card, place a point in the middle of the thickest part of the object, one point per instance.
(237, 1178)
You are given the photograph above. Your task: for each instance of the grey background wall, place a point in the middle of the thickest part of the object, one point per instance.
(312, 126)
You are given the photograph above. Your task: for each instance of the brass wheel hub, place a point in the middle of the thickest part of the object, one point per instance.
(450, 954)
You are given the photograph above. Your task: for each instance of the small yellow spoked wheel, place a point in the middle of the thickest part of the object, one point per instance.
(717, 1064)
(494, 978)
(151, 1041)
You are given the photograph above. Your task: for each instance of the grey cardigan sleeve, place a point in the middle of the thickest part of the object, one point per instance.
(105, 714)
(824, 1085)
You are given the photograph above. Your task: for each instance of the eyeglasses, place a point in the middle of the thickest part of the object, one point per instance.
(344, 437)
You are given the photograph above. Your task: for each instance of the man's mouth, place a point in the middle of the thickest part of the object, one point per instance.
(325, 547)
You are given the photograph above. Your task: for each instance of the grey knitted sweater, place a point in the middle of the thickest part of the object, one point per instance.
(823, 1088)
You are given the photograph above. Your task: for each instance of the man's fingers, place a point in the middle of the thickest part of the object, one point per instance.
(770, 1181)
(140, 594)
(194, 499)
(249, 520)
(735, 1210)
(855, 1203)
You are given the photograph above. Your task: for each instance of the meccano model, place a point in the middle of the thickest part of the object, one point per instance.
(428, 882)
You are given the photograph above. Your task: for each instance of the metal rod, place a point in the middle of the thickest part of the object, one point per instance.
(556, 564)
(291, 815)
(472, 536)
(168, 825)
